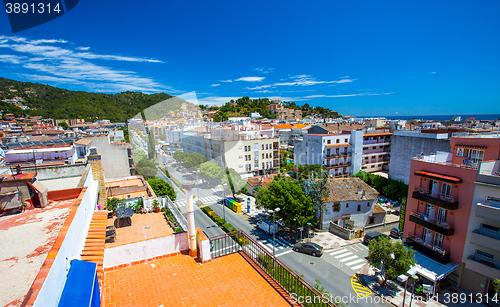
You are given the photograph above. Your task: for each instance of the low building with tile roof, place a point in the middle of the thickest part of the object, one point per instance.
(350, 199)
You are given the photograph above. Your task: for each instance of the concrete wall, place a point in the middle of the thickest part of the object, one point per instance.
(145, 249)
(71, 248)
(114, 157)
(360, 218)
(58, 171)
(406, 146)
(357, 150)
(341, 232)
(383, 227)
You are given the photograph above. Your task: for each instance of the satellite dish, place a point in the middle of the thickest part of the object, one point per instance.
(465, 161)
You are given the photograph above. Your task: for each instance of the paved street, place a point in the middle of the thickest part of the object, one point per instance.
(335, 269)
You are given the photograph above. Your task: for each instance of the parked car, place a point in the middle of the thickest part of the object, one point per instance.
(309, 248)
(268, 226)
(373, 236)
(395, 233)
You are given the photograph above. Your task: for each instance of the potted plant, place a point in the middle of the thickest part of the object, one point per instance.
(111, 205)
(156, 206)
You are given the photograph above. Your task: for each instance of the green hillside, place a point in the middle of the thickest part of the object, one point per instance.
(60, 103)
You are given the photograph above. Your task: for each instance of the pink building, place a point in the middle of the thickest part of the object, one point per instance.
(440, 199)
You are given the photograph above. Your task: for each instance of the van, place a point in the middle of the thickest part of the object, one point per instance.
(267, 226)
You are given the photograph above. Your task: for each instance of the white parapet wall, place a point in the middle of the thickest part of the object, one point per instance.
(145, 249)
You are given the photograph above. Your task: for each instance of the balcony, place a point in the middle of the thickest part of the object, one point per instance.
(432, 224)
(482, 267)
(341, 164)
(488, 210)
(432, 251)
(437, 199)
(486, 239)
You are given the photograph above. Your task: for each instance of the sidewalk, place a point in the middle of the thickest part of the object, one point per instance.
(393, 292)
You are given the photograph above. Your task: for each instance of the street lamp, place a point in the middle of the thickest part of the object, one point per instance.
(224, 201)
(403, 278)
(197, 189)
(274, 224)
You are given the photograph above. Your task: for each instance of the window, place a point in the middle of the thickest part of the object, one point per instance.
(438, 240)
(345, 141)
(336, 207)
(267, 156)
(485, 255)
(425, 232)
(359, 207)
(493, 199)
(262, 156)
(267, 164)
(347, 205)
(256, 146)
(445, 189)
(262, 165)
(372, 220)
(249, 167)
(267, 147)
(329, 141)
(338, 141)
(368, 204)
(262, 146)
(490, 227)
(441, 215)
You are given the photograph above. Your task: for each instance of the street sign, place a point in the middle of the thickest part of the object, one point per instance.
(428, 289)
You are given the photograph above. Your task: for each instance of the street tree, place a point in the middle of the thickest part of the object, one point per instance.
(296, 209)
(393, 258)
(233, 182)
(210, 171)
(162, 188)
(146, 167)
(318, 190)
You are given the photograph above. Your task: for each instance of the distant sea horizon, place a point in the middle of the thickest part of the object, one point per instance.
(438, 117)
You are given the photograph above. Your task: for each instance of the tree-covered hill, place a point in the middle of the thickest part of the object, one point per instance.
(60, 103)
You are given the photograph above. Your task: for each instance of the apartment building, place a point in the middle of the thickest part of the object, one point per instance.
(440, 201)
(285, 113)
(340, 153)
(482, 246)
(376, 151)
(251, 150)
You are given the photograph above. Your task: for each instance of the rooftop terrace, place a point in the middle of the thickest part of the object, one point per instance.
(26, 240)
(181, 281)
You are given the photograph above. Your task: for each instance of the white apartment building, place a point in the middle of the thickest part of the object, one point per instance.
(340, 153)
(482, 247)
(251, 150)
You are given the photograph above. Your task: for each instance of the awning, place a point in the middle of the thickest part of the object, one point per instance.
(471, 146)
(432, 270)
(437, 176)
(337, 145)
(347, 216)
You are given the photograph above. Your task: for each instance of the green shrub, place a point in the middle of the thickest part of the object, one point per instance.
(243, 241)
(178, 229)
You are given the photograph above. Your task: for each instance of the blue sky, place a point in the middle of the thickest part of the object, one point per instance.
(363, 58)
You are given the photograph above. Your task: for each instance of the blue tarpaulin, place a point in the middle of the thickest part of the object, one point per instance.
(81, 287)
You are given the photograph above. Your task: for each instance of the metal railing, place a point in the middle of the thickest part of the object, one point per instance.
(418, 240)
(427, 192)
(181, 221)
(432, 221)
(289, 280)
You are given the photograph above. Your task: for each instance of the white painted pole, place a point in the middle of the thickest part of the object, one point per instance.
(188, 186)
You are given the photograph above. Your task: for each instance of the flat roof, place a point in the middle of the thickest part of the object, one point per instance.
(185, 282)
(26, 240)
(431, 269)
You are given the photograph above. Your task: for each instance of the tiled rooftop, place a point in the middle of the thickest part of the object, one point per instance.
(181, 281)
(144, 227)
(26, 240)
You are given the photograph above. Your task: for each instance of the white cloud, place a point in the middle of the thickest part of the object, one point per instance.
(250, 79)
(300, 80)
(13, 59)
(226, 81)
(214, 85)
(433, 72)
(264, 70)
(56, 62)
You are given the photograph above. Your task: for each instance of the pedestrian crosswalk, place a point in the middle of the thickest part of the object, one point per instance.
(205, 200)
(279, 245)
(348, 258)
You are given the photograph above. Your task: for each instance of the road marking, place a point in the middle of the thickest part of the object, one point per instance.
(361, 291)
(284, 242)
(343, 255)
(283, 253)
(236, 247)
(348, 258)
(354, 262)
(358, 267)
(338, 252)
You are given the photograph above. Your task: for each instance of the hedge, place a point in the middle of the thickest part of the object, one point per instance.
(218, 220)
